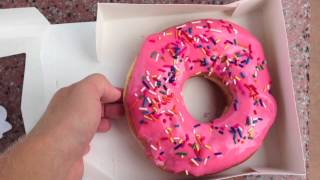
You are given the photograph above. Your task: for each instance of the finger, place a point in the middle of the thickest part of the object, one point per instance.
(112, 95)
(76, 172)
(104, 125)
(113, 111)
(120, 100)
(121, 89)
(107, 93)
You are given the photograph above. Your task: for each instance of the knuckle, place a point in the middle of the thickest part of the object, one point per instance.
(61, 92)
(95, 81)
(97, 77)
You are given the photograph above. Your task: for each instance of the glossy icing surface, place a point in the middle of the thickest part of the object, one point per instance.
(171, 137)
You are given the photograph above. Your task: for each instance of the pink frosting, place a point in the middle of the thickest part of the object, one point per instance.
(171, 137)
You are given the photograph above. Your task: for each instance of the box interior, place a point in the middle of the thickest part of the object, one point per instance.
(265, 21)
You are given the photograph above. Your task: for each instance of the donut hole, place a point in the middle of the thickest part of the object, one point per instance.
(204, 99)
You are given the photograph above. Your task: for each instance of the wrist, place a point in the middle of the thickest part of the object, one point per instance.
(64, 138)
(50, 145)
(35, 158)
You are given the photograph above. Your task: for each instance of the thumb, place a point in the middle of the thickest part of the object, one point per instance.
(111, 94)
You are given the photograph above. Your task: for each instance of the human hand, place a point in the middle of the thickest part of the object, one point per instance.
(63, 134)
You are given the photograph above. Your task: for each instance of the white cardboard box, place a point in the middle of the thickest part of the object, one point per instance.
(58, 55)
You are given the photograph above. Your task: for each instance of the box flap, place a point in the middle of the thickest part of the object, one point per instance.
(24, 22)
(21, 31)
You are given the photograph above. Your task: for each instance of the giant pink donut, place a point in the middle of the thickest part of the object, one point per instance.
(216, 49)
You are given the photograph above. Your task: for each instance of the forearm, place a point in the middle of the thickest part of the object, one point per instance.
(34, 158)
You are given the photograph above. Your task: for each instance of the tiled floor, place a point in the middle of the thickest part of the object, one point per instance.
(315, 88)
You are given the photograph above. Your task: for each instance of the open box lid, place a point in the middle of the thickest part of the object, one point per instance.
(22, 31)
(55, 51)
